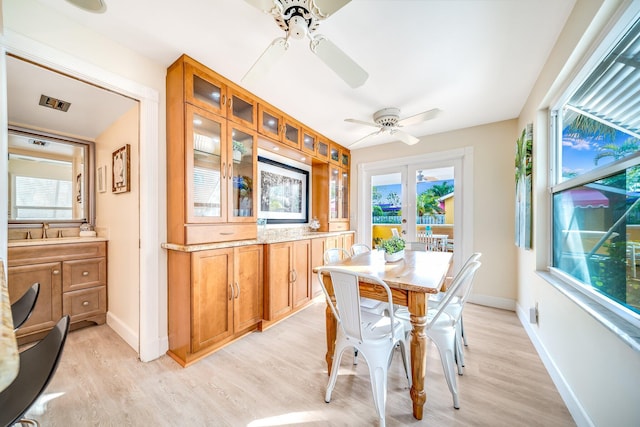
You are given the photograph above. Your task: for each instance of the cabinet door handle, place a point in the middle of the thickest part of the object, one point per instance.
(230, 102)
(229, 170)
(85, 303)
(224, 165)
(295, 275)
(231, 289)
(226, 233)
(224, 99)
(56, 271)
(85, 273)
(238, 288)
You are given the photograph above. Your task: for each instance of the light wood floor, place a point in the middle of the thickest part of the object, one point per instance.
(278, 377)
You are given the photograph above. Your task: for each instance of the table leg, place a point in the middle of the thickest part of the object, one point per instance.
(330, 325)
(418, 310)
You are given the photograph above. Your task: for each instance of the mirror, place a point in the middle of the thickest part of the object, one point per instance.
(50, 178)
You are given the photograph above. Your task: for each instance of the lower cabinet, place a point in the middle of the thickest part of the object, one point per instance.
(287, 286)
(73, 281)
(214, 297)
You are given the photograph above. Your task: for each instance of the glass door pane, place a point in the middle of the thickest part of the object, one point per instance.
(386, 206)
(206, 186)
(242, 170)
(334, 188)
(344, 195)
(434, 191)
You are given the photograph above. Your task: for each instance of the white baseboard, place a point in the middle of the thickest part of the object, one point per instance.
(496, 302)
(573, 405)
(127, 334)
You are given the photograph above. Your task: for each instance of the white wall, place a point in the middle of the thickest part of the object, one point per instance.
(596, 373)
(117, 219)
(494, 199)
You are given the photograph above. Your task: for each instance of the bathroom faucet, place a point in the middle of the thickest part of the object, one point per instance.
(45, 227)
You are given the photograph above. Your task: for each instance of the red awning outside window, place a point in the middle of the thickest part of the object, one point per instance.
(586, 198)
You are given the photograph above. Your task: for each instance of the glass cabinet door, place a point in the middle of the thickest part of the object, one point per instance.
(308, 142)
(242, 173)
(205, 166)
(344, 195)
(292, 134)
(242, 109)
(322, 149)
(269, 123)
(204, 90)
(334, 154)
(334, 190)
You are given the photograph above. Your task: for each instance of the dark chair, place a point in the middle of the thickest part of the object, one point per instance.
(37, 366)
(21, 309)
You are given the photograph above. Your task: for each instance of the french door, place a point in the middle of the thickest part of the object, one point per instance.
(415, 196)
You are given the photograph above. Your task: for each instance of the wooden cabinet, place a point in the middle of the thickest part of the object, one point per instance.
(214, 297)
(279, 127)
(209, 91)
(321, 244)
(322, 149)
(309, 142)
(331, 197)
(73, 280)
(211, 157)
(287, 285)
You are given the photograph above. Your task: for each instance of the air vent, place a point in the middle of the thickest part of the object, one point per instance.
(56, 104)
(39, 142)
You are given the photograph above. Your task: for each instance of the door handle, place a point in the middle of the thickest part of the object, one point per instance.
(231, 293)
(238, 288)
(224, 165)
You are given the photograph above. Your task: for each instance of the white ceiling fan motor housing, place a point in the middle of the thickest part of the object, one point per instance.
(387, 117)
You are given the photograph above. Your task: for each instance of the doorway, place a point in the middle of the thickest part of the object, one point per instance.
(146, 336)
(419, 196)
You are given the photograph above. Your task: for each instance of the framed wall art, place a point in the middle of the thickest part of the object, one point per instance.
(121, 170)
(283, 192)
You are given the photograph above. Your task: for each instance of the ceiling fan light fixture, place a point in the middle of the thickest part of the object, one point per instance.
(298, 28)
(93, 6)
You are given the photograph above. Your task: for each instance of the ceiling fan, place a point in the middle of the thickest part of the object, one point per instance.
(388, 120)
(300, 19)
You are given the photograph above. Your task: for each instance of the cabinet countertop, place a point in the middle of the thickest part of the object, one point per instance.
(54, 241)
(279, 239)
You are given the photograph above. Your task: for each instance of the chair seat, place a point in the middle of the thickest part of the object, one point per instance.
(376, 327)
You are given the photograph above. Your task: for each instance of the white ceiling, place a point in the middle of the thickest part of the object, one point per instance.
(476, 60)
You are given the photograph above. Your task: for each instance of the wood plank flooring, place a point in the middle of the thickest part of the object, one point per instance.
(278, 377)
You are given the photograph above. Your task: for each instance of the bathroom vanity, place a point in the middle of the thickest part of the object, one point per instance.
(72, 273)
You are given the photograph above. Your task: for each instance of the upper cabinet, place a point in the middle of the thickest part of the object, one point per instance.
(209, 91)
(211, 157)
(276, 125)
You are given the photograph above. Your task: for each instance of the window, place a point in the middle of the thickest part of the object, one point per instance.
(596, 196)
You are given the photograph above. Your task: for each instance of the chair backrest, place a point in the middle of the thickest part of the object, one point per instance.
(37, 366)
(21, 309)
(359, 248)
(461, 285)
(474, 257)
(347, 309)
(335, 254)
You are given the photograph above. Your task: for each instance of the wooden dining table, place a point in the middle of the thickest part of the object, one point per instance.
(411, 280)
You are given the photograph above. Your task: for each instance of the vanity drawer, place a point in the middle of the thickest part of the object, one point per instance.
(83, 273)
(85, 303)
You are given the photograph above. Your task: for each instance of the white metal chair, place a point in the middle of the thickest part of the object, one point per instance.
(359, 248)
(453, 308)
(371, 305)
(373, 335)
(441, 325)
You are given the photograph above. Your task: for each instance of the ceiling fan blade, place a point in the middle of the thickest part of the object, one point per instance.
(361, 140)
(361, 122)
(339, 62)
(263, 5)
(329, 7)
(270, 56)
(419, 118)
(405, 137)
